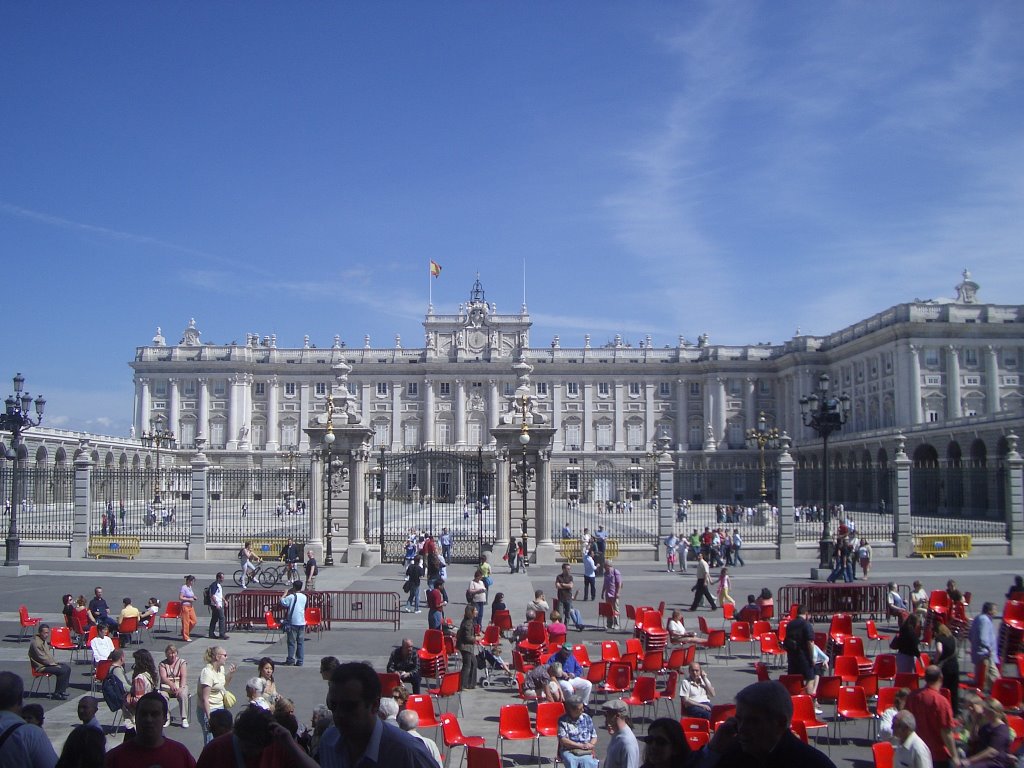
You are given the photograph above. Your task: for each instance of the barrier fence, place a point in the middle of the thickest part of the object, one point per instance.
(247, 609)
(822, 601)
(47, 509)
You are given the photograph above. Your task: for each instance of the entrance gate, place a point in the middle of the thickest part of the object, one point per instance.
(427, 491)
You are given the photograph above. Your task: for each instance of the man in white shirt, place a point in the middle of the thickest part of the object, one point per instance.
(695, 692)
(911, 751)
(294, 603)
(102, 646)
(217, 619)
(408, 721)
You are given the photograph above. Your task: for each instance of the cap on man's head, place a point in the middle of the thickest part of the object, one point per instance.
(618, 706)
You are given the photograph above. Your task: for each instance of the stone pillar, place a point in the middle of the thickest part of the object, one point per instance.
(198, 503)
(502, 503)
(720, 408)
(314, 535)
(304, 415)
(493, 407)
(786, 549)
(588, 417)
(901, 504)
(428, 413)
(546, 550)
(618, 423)
(273, 406)
(83, 495)
(914, 377)
(953, 407)
(145, 405)
(203, 428)
(234, 412)
(396, 416)
(459, 412)
(173, 406)
(749, 403)
(358, 463)
(992, 404)
(1014, 496)
(665, 467)
(682, 415)
(650, 415)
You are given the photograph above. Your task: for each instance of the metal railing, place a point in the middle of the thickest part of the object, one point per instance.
(822, 601)
(625, 502)
(865, 495)
(953, 498)
(128, 496)
(252, 503)
(47, 511)
(247, 610)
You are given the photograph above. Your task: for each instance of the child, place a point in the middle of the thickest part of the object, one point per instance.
(254, 692)
(33, 714)
(494, 660)
(723, 588)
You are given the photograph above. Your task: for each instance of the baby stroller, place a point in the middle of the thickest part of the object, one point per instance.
(489, 660)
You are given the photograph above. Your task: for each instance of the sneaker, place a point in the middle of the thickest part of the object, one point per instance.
(418, 611)
(819, 711)
(184, 722)
(129, 724)
(167, 722)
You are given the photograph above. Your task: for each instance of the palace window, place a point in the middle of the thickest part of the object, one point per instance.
(321, 389)
(216, 434)
(289, 389)
(634, 436)
(382, 388)
(190, 387)
(972, 381)
(571, 436)
(931, 357)
(444, 388)
(411, 435)
(694, 389)
(970, 356)
(634, 389)
(665, 389)
(765, 386)
(289, 433)
(259, 389)
(542, 389)
(220, 387)
(412, 389)
(932, 416)
(602, 389)
(572, 388)
(603, 432)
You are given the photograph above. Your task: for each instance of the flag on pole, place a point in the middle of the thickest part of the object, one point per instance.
(435, 269)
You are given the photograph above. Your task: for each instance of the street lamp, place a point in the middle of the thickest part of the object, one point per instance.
(825, 415)
(761, 437)
(157, 436)
(291, 455)
(523, 401)
(16, 419)
(329, 479)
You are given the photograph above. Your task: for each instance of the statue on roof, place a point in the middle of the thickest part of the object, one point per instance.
(967, 290)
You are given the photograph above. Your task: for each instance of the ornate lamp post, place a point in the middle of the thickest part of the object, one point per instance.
(16, 419)
(289, 497)
(158, 437)
(329, 480)
(760, 437)
(825, 414)
(523, 401)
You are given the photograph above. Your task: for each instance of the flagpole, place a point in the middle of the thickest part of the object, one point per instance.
(430, 288)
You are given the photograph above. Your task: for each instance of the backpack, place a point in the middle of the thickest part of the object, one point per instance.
(113, 692)
(206, 594)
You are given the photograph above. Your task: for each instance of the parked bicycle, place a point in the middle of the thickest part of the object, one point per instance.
(267, 575)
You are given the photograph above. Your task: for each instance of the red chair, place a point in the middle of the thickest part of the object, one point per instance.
(653, 662)
(885, 666)
(423, 706)
(452, 736)
(716, 639)
(432, 656)
(907, 680)
(60, 640)
(739, 632)
(619, 678)
(482, 757)
(492, 636)
(938, 605)
(634, 646)
(883, 752)
(579, 652)
(1007, 691)
(759, 628)
(847, 668)
(668, 692)
(793, 683)
(450, 688)
(854, 646)
(171, 613)
(799, 730)
(695, 725)
(27, 622)
(827, 692)
(1016, 723)
(771, 648)
(548, 713)
(761, 670)
(696, 741)
(632, 659)
(869, 683)
(503, 620)
(604, 611)
(873, 635)
(514, 725)
(653, 636)
(37, 679)
(610, 651)
(803, 710)
(314, 620)
(767, 612)
(388, 682)
(128, 626)
(1013, 614)
(886, 699)
(536, 641)
(703, 624)
(728, 612)
(273, 627)
(645, 694)
(99, 674)
(840, 628)
(676, 659)
(596, 674)
(853, 705)
(720, 713)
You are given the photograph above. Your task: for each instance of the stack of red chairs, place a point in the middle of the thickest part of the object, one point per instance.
(536, 642)
(433, 661)
(653, 636)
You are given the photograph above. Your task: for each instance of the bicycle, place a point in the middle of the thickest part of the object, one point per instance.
(266, 575)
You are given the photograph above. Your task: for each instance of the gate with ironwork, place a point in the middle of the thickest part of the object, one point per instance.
(427, 492)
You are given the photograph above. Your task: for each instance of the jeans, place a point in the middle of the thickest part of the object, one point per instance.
(296, 644)
(414, 597)
(479, 613)
(566, 607)
(218, 624)
(570, 760)
(589, 587)
(434, 619)
(736, 556)
(204, 724)
(469, 669)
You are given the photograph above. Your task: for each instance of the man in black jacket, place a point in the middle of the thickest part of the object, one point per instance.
(405, 662)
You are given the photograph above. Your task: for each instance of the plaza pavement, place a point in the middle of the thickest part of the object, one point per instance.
(644, 583)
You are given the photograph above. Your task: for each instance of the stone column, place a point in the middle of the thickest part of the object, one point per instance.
(493, 407)
(749, 403)
(358, 463)
(618, 424)
(650, 415)
(901, 504)
(198, 503)
(145, 404)
(953, 408)
(916, 415)
(787, 502)
(83, 496)
(588, 417)
(992, 404)
(720, 407)
(546, 551)
(459, 412)
(502, 501)
(1014, 496)
(234, 408)
(315, 509)
(428, 413)
(273, 405)
(203, 428)
(665, 467)
(396, 416)
(304, 412)
(174, 406)
(682, 415)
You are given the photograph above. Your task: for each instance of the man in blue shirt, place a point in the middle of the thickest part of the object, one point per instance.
(446, 544)
(295, 622)
(358, 737)
(984, 648)
(573, 680)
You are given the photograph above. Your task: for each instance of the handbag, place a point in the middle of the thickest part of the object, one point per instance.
(229, 699)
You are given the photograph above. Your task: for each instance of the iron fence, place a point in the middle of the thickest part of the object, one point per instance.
(728, 497)
(956, 498)
(247, 610)
(261, 502)
(861, 495)
(624, 501)
(47, 508)
(124, 501)
(429, 492)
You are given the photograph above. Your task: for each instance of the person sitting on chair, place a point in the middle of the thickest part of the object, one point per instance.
(695, 692)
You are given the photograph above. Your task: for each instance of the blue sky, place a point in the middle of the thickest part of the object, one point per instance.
(742, 169)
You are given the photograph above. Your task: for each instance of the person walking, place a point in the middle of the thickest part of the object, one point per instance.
(563, 590)
(984, 648)
(737, 546)
(611, 591)
(218, 622)
(187, 596)
(700, 588)
(413, 576)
